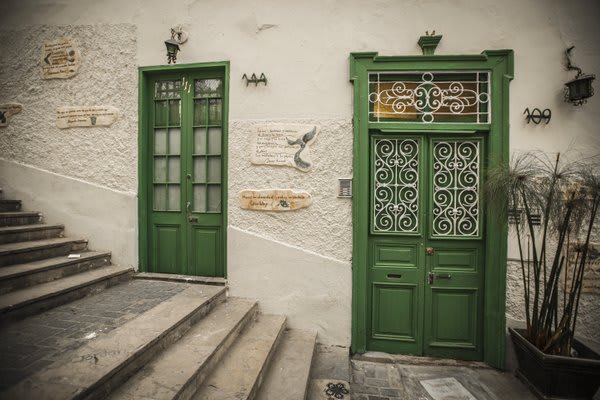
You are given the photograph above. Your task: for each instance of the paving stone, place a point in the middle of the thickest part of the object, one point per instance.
(47, 335)
(364, 389)
(331, 362)
(376, 382)
(330, 389)
(404, 381)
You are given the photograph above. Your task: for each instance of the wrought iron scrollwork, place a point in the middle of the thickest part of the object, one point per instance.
(431, 98)
(396, 181)
(456, 188)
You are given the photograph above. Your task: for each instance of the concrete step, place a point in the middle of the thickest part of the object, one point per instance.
(241, 371)
(23, 252)
(24, 233)
(10, 205)
(20, 276)
(13, 218)
(22, 303)
(204, 280)
(94, 369)
(179, 370)
(289, 373)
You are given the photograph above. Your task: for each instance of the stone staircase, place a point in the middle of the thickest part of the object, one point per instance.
(74, 326)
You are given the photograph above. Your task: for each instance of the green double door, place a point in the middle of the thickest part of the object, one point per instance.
(185, 183)
(425, 270)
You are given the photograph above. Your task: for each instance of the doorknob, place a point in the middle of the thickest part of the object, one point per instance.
(429, 251)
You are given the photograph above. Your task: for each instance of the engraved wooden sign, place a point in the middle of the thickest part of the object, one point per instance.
(284, 144)
(60, 59)
(7, 110)
(274, 199)
(85, 116)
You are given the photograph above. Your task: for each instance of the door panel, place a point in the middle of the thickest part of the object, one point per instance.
(425, 246)
(206, 251)
(387, 324)
(186, 142)
(168, 247)
(453, 319)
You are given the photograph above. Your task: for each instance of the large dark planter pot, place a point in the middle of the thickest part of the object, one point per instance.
(557, 377)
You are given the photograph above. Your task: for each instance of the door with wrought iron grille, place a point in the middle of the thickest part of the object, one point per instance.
(185, 167)
(425, 245)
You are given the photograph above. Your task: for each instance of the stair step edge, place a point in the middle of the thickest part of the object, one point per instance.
(193, 357)
(289, 374)
(21, 298)
(29, 228)
(16, 270)
(31, 245)
(244, 349)
(17, 214)
(89, 378)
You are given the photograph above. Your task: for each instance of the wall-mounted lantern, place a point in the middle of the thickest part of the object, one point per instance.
(580, 89)
(178, 36)
(172, 49)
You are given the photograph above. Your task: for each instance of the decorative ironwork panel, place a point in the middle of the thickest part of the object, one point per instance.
(396, 186)
(430, 97)
(456, 169)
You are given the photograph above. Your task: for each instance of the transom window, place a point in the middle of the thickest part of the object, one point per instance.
(430, 97)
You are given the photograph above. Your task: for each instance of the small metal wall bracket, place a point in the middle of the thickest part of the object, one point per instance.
(345, 187)
(536, 116)
(254, 79)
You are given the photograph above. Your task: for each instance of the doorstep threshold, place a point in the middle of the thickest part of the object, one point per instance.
(381, 357)
(203, 280)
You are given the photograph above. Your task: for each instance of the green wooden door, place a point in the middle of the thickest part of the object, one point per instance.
(425, 129)
(185, 166)
(425, 245)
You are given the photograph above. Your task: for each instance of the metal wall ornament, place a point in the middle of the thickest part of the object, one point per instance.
(396, 181)
(536, 116)
(456, 170)
(254, 79)
(431, 98)
(579, 89)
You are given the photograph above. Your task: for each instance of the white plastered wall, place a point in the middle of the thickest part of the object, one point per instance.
(303, 48)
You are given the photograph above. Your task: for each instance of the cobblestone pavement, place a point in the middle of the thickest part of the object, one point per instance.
(389, 381)
(31, 344)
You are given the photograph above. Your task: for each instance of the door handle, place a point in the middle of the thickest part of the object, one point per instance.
(187, 206)
(192, 219)
(432, 277)
(429, 251)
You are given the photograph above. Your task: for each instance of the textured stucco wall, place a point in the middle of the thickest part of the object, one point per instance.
(106, 156)
(326, 226)
(295, 262)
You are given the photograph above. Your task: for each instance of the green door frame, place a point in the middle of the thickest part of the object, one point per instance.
(501, 65)
(144, 177)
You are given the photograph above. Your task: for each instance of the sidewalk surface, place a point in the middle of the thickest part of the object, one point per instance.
(377, 376)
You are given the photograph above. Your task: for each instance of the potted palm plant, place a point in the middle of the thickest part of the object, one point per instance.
(554, 252)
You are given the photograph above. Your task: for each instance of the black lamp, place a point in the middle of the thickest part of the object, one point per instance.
(172, 47)
(580, 89)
